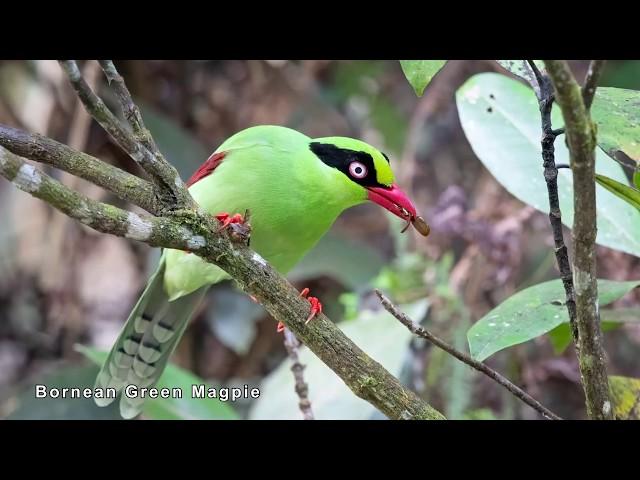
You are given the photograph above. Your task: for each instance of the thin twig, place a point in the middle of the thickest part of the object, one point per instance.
(591, 81)
(129, 108)
(101, 113)
(538, 75)
(545, 103)
(165, 176)
(292, 344)
(463, 357)
(581, 139)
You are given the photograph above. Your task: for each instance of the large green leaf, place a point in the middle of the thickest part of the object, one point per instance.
(625, 395)
(501, 120)
(377, 333)
(636, 179)
(530, 313)
(622, 190)
(420, 72)
(616, 112)
(185, 408)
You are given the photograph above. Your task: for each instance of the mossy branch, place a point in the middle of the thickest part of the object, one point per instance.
(190, 229)
(581, 139)
(45, 150)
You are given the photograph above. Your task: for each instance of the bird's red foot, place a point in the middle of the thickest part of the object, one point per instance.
(316, 306)
(227, 219)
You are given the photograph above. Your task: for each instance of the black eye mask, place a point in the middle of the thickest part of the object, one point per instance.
(341, 158)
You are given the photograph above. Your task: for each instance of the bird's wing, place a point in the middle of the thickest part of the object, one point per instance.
(207, 167)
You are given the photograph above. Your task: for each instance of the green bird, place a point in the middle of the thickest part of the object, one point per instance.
(295, 188)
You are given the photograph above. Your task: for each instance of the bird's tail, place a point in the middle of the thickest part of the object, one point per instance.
(146, 342)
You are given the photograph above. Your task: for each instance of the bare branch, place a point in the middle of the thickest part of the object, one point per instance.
(292, 344)
(96, 215)
(581, 140)
(165, 176)
(545, 103)
(45, 150)
(463, 357)
(130, 109)
(591, 81)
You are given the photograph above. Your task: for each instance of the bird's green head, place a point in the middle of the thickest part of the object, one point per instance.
(366, 173)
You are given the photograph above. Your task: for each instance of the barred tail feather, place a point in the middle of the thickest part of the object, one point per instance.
(146, 342)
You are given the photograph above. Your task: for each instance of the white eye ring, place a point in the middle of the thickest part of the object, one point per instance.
(357, 170)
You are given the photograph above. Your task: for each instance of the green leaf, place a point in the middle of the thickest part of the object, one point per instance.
(560, 338)
(530, 313)
(636, 179)
(625, 192)
(185, 408)
(501, 120)
(522, 69)
(625, 395)
(420, 72)
(377, 333)
(616, 112)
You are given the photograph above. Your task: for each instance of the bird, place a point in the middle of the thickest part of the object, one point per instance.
(294, 187)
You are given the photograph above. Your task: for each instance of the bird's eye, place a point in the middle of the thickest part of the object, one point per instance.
(357, 170)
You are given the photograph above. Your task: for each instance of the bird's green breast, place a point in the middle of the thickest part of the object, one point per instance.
(292, 197)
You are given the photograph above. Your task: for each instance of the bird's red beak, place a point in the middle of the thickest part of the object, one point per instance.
(394, 200)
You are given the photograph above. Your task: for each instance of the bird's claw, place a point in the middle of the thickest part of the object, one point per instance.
(316, 308)
(227, 219)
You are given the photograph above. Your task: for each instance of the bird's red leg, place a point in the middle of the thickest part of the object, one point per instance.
(316, 308)
(227, 219)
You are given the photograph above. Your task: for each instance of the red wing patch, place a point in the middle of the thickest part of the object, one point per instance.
(207, 168)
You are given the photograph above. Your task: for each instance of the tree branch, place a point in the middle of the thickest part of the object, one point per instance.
(292, 344)
(464, 358)
(545, 103)
(169, 185)
(130, 109)
(591, 81)
(45, 150)
(581, 140)
(97, 215)
(197, 232)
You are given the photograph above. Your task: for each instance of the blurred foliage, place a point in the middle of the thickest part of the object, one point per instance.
(625, 395)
